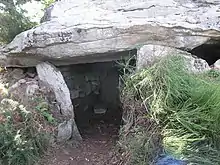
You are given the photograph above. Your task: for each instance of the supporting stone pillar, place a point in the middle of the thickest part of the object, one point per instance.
(50, 75)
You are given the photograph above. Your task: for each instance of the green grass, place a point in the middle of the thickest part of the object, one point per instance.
(185, 106)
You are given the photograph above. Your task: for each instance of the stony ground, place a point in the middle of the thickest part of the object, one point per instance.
(97, 148)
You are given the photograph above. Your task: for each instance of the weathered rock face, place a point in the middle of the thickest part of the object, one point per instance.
(217, 65)
(87, 30)
(149, 54)
(51, 76)
(18, 85)
(68, 130)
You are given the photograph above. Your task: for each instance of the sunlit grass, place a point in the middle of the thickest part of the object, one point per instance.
(186, 107)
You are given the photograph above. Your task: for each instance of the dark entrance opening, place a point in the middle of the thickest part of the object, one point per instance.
(94, 90)
(209, 51)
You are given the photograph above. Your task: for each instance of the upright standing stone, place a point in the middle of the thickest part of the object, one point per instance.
(51, 76)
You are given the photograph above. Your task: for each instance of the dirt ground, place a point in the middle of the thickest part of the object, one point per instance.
(97, 148)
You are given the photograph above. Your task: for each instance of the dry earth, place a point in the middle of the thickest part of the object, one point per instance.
(97, 148)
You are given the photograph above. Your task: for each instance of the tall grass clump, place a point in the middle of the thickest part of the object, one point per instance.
(184, 105)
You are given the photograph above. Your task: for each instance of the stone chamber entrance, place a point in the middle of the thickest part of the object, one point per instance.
(209, 51)
(95, 94)
(94, 90)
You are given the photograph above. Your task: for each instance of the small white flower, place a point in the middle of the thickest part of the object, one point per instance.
(23, 109)
(17, 138)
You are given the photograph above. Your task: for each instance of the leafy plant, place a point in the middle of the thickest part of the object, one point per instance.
(13, 20)
(23, 137)
(43, 108)
(47, 3)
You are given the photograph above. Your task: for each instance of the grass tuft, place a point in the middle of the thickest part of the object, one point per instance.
(185, 106)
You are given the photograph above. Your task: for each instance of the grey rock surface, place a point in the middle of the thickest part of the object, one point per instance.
(17, 74)
(149, 54)
(68, 130)
(88, 30)
(76, 137)
(31, 89)
(64, 131)
(217, 65)
(197, 65)
(24, 89)
(51, 76)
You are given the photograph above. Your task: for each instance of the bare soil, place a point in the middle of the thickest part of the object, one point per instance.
(97, 148)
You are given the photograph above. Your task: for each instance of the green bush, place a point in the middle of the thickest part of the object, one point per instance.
(47, 3)
(13, 24)
(23, 135)
(185, 106)
(13, 20)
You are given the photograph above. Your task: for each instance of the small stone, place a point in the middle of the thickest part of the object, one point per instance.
(22, 81)
(17, 74)
(64, 131)
(31, 75)
(75, 94)
(68, 130)
(100, 110)
(76, 137)
(217, 65)
(31, 89)
(16, 85)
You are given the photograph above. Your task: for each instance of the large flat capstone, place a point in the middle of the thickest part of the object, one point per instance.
(93, 30)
